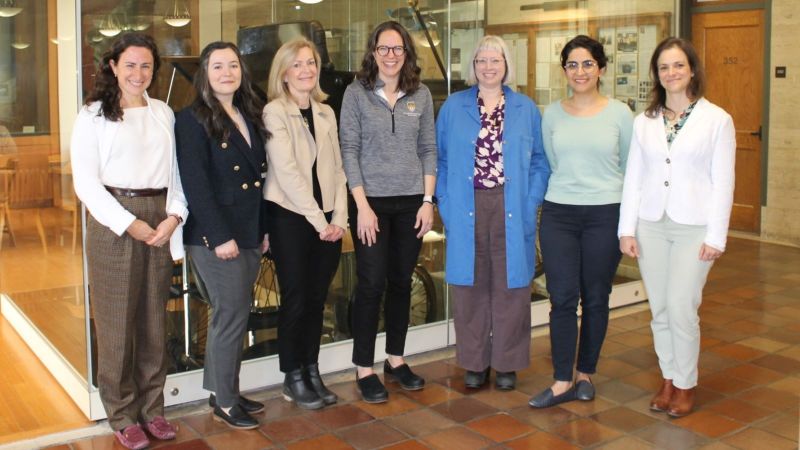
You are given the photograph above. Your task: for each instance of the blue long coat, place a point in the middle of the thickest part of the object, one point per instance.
(526, 175)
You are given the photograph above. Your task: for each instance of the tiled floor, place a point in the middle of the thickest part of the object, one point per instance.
(747, 396)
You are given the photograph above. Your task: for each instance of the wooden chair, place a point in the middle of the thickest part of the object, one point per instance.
(31, 188)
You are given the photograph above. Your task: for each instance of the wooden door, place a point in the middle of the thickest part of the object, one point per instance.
(731, 45)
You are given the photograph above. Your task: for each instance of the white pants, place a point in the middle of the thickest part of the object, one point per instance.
(674, 276)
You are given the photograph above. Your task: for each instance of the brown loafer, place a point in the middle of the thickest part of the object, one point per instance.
(660, 402)
(682, 402)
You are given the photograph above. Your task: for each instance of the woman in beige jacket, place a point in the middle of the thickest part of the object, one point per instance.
(307, 213)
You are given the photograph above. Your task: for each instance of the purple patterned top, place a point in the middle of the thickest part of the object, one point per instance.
(489, 171)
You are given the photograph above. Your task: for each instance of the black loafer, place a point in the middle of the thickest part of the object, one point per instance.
(296, 389)
(505, 381)
(372, 390)
(474, 380)
(546, 399)
(584, 390)
(236, 418)
(315, 380)
(250, 406)
(402, 374)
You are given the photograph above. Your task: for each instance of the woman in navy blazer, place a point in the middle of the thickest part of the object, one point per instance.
(676, 204)
(222, 160)
(492, 175)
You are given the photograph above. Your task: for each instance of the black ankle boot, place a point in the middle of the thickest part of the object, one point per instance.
(315, 380)
(296, 390)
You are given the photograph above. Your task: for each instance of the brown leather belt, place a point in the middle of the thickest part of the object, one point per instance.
(136, 192)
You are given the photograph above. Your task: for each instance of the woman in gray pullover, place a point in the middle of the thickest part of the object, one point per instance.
(388, 145)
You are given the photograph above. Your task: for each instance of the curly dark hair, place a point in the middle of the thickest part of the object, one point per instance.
(409, 73)
(106, 88)
(208, 109)
(697, 85)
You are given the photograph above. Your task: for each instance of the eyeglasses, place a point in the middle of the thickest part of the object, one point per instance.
(587, 65)
(483, 62)
(383, 50)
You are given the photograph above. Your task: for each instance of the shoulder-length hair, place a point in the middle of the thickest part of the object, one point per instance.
(208, 109)
(409, 73)
(283, 60)
(496, 43)
(697, 85)
(106, 88)
(591, 45)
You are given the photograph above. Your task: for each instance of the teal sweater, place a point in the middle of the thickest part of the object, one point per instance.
(587, 154)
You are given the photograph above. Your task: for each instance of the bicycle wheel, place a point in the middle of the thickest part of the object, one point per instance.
(423, 297)
(538, 261)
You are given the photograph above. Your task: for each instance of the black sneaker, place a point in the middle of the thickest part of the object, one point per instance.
(402, 374)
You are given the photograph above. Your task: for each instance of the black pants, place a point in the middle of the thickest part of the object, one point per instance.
(305, 266)
(581, 253)
(387, 265)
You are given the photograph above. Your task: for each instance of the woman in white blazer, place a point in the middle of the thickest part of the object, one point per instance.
(307, 213)
(676, 204)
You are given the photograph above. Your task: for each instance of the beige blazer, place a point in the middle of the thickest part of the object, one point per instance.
(290, 156)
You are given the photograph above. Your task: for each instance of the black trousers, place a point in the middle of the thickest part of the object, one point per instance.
(305, 266)
(387, 266)
(581, 253)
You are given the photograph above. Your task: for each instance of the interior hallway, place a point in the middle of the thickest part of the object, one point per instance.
(747, 397)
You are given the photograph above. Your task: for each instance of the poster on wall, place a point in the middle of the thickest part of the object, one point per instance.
(625, 87)
(627, 64)
(627, 40)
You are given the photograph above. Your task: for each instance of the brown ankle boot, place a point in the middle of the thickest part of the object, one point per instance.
(660, 402)
(682, 402)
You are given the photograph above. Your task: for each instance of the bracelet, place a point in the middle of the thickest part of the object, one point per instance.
(177, 217)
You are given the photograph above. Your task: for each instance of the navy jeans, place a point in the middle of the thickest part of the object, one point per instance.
(580, 249)
(387, 265)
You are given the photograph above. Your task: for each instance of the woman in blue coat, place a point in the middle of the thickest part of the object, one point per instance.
(492, 175)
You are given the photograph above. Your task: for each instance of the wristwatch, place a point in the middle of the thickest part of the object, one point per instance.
(428, 199)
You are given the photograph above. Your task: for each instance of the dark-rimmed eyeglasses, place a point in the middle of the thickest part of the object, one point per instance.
(383, 50)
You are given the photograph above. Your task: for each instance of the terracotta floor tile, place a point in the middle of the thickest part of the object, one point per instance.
(104, 442)
(291, 429)
(397, 404)
(754, 374)
(770, 399)
(406, 445)
(500, 427)
(464, 409)
(779, 363)
(642, 358)
(240, 440)
(623, 419)
(738, 410)
(502, 400)
(371, 435)
(419, 422)
(634, 339)
(788, 384)
(432, 394)
(753, 439)
(585, 432)
(724, 383)
(705, 396)
(725, 335)
(347, 392)
(648, 380)
(708, 423)
(195, 444)
(58, 447)
(668, 436)
(785, 334)
(204, 424)
(586, 409)
(533, 384)
(324, 442)
(538, 441)
(765, 345)
(737, 352)
(615, 368)
(545, 419)
(791, 352)
(785, 425)
(458, 437)
(789, 311)
(456, 384)
(277, 408)
(336, 417)
(184, 433)
(619, 391)
(626, 443)
(717, 445)
(713, 362)
(611, 348)
(438, 370)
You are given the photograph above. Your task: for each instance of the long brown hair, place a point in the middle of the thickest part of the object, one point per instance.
(697, 85)
(409, 73)
(208, 109)
(106, 87)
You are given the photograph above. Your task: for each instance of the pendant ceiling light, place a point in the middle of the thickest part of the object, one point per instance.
(109, 27)
(20, 45)
(310, 2)
(9, 8)
(179, 15)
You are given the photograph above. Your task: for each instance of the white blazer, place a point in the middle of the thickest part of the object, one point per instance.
(691, 181)
(92, 139)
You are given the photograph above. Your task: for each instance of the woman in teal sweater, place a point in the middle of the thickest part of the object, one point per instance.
(586, 139)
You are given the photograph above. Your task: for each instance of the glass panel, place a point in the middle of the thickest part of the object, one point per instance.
(40, 260)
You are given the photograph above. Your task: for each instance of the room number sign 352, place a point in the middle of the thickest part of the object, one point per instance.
(730, 60)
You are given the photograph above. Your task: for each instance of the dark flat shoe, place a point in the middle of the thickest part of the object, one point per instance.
(315, 380)
(474, 380)
(584, 390)
(505, 381)
(237, 418)
(372, 390)
(296, 389)
(251, 406)
(402, 374)
(546, 399)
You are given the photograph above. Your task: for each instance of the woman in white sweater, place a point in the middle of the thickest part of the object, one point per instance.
(676, 204)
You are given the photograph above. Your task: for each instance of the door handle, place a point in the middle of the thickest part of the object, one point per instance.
(757, 133)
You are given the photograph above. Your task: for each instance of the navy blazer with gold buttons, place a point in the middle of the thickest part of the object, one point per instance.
(223, 183)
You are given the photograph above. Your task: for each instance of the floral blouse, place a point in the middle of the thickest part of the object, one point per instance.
(489, 171)
(672, 128)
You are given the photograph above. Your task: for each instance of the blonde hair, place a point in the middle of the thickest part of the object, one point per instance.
(283, 60)
(496, 43)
